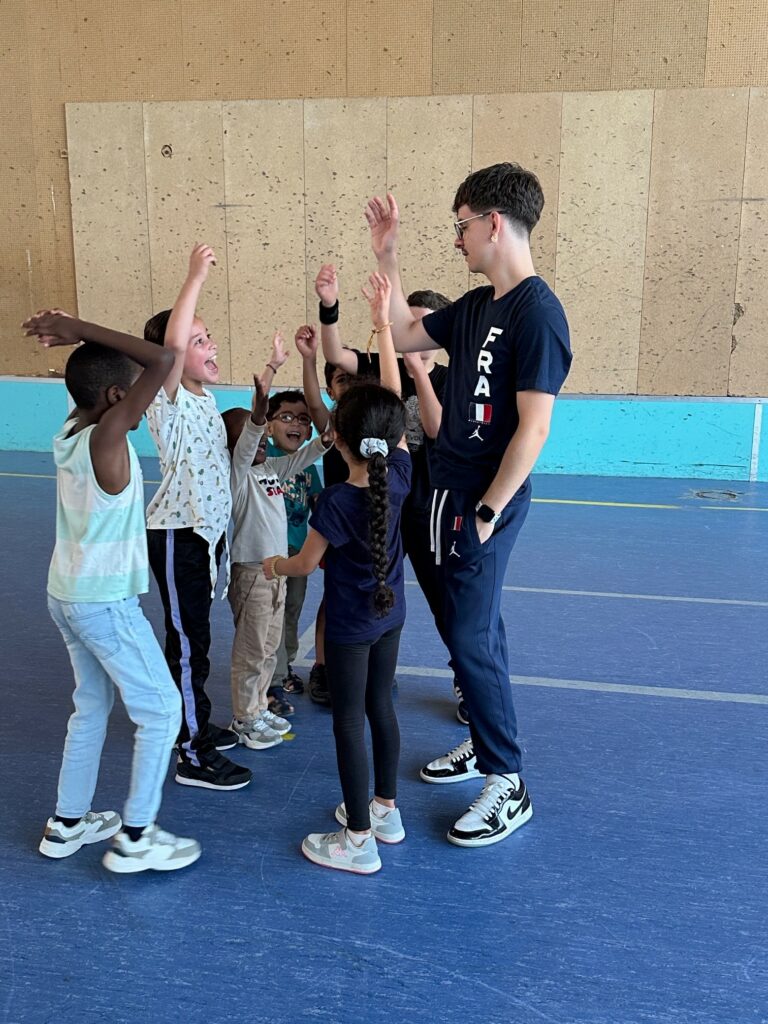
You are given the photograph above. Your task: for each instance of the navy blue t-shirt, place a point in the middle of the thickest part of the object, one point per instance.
(519, 342)
(341, 516)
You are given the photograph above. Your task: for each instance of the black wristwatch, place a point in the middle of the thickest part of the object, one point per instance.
(486, 514)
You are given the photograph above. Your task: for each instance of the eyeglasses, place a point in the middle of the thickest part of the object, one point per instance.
(288, 417)
(458, 225)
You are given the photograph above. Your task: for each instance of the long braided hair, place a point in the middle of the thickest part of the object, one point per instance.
(367, 411)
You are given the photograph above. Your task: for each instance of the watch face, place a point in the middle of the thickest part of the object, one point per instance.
(485, 513)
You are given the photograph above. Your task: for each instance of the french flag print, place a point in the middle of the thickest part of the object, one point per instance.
(457, 521)
(480, 413)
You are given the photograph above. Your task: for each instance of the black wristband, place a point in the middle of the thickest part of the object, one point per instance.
(329, 314)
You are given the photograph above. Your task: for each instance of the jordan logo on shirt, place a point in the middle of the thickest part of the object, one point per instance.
(481, 413)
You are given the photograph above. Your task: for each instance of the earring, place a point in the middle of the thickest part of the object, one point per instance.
(494, 238)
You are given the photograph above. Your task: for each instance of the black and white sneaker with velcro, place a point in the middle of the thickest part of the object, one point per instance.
(502, 807)
(457, 765)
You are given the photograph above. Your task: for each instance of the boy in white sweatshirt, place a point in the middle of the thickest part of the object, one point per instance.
(260, 530)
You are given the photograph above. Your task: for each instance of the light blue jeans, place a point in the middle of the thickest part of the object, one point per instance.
(112, 645)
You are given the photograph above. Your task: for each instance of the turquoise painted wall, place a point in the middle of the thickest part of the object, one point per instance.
(691, 438)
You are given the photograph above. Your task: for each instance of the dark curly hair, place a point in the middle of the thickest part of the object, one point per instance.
(92, 368)
(372, 410)
(506, 187)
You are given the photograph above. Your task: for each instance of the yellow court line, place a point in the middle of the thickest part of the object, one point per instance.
(540, 501)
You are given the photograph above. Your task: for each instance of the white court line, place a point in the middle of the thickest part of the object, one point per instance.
(585, 684)
(754, 462)
(633, 597)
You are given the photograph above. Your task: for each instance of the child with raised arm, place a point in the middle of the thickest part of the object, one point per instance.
(98, 569)
(187, 523)
(290, 416)
(356, 527)
(258, 604)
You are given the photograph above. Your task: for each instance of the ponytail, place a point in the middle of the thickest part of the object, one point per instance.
(378, 527)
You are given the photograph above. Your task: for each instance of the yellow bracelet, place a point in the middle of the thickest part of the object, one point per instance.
(375, 331)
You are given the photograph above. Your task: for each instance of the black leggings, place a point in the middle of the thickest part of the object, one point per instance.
(360, 678)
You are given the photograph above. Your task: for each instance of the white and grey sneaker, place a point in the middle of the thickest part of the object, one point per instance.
(457, 765)
(387, 827)
(255, 733)
(336, 850)
(59, 841)
(154, 850)
(502, 807)
(275, 722)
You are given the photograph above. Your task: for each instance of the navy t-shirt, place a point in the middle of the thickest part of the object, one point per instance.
(341, 516)
(519, 342)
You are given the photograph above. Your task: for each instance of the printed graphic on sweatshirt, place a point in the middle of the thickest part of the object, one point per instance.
(481, 413)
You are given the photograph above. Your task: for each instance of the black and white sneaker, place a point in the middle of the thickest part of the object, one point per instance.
(461, 709)
(457, 765)
(502, 807)
(213, 772)
(222, 739)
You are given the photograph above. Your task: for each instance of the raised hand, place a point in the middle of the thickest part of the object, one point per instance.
(384, 223)
(414, 364)
(307, 341)
(378, 298)
(260, 401)
(201, 260)
(53, 327)
(279, 351)
(327, 285)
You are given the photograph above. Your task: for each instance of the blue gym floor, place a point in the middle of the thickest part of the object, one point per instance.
(637, 616)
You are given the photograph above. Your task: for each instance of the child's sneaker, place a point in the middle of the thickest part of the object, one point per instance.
(59, 841)
(213, 772)
(278, 703)
(318, 686)
(387, 827)
(256, 734)
(337, 850)
(275, 722)
(222, 739)
(154, 850)
(293, 683)
(457, 765)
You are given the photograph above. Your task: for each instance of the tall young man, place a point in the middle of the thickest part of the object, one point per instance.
(510, 354)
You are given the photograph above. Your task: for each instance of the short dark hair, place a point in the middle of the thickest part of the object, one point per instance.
(234, 421)
(279, 397)
(156, 326)
(428, 300)
(507, 188)
(91, 369)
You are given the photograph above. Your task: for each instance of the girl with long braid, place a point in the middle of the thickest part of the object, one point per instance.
(356, 527)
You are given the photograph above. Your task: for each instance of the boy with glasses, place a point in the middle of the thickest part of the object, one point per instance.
(510, 354)
(260, 529)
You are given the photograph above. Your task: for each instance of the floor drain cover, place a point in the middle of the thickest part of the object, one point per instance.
(718, 495)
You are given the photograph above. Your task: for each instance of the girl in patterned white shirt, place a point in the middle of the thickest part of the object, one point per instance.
(187, 522)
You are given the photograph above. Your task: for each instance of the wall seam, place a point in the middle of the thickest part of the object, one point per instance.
(645, 252)
(738, 242)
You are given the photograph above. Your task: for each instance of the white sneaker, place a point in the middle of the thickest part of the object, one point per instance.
(502, 807)
(457, 765)
(275, 722)
(387, 827)
(59, 841)
(336, 850)
(255, 733)
(154, 850)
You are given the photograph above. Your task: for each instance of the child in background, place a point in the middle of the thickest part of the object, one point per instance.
(187, 523)
(291, 415)
(356, 526)
(257, 603)
(98, 569)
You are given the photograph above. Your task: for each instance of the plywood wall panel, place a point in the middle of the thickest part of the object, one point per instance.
(566, 44)
(264, 187)
(748, 374)
(697, 169)
(345, 146)
(389, 48)
(604, 171)
(736, 43)
(476, 46)
(658, 44)
(186, 205)
(272, 50)
(109, 205)
(429, 153)
(525, 129)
